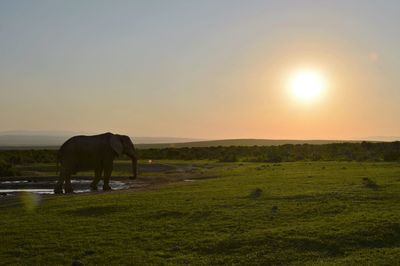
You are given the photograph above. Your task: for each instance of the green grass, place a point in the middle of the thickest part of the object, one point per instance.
(321, 213)
(121, 167)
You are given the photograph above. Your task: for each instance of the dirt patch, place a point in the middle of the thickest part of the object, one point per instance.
(150, 175)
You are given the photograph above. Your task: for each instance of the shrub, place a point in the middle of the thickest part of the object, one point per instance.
(6, 169)
(370, 183)
(255, 193)
(391, 156)
(228, 158)
(274, 158)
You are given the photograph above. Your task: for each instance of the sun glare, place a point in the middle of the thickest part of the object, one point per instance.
(307, 85)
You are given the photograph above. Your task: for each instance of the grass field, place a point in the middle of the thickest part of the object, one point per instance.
(319, 213)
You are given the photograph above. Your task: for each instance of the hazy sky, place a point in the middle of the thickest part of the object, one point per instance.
(202, 69)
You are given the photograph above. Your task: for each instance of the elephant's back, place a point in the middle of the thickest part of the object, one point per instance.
(80, 147)
(83, 141)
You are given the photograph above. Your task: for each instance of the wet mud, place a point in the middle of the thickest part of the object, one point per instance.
(149, 175)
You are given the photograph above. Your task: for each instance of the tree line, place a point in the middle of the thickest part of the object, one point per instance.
(364, 151)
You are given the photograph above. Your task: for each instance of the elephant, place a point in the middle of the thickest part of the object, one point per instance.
(97, 152)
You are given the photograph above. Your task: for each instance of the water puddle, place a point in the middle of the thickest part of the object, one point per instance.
(46, 187)
(5, 192)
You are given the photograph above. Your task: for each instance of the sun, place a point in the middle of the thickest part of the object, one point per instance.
(307, 85)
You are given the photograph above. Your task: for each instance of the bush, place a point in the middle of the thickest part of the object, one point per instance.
(274, 158)
(366, 151)
(228, 158)
(391, 156)
(255, 193)
(370, 183)
(6, 169)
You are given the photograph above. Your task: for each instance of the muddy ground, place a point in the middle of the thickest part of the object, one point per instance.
(149, 175)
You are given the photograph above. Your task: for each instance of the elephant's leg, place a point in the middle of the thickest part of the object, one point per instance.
(68, 186)
(107, 173)
(58, 189)
(97, 175)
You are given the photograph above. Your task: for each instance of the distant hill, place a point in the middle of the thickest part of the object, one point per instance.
(32, 139)
(383, 138)
(53, 139)
(24, 138)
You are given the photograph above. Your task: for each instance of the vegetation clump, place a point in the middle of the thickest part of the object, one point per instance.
(228, 158)
(365, 151)
(255, 193)
(370, 183)
(391, 155)
(6, 169)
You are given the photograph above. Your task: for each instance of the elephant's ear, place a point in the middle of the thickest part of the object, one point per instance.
(116, 144)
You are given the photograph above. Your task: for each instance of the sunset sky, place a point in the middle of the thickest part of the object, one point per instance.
(202, 69)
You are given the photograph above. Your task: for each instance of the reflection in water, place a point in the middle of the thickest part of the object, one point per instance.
(38, 191)
(80, 186)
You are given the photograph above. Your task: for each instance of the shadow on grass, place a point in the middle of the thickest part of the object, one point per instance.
(255, 193)
(275, 243)
(95, 210)
(195, 216)
(382, 235)
(385, 235)
(166, 214)
(312, 197)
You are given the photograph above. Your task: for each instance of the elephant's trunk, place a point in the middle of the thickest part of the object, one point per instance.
(134, 168)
